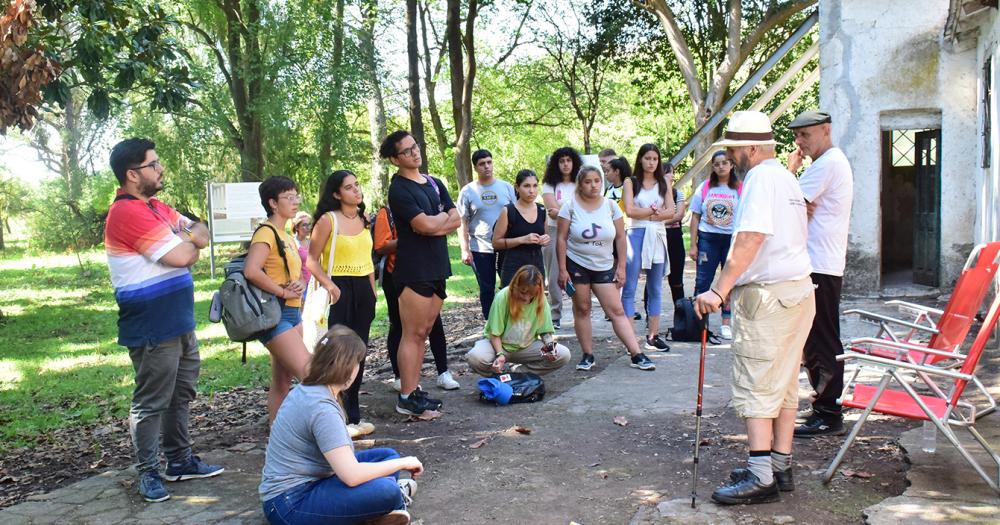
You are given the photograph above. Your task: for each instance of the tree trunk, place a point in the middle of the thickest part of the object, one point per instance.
(2, 246)
(462, 83)
(430, 85)
(333, 119)
(245, 86)
(71, 139)
(376, 106)
(413, 59)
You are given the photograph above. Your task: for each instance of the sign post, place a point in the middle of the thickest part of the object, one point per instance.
(234, 212)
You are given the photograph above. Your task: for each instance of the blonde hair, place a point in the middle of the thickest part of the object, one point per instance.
(527, 276)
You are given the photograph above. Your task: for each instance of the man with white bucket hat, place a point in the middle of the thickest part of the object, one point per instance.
(767, 274)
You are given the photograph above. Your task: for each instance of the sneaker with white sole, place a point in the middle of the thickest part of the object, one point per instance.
(151, 487)
(586, 362)
(642, 362)
(408, 487)
(447, 382)
(193, 468)
(396, 517)
(397, 384)
(361, 428)
(726, 332)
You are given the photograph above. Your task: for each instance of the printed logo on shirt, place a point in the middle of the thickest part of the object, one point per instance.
(591, 232)
(720, 211)
(489, 197)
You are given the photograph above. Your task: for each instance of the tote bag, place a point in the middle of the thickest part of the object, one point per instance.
(316, 310)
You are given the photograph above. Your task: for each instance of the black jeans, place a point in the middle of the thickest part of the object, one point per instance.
(355, 309)
(826, 374)
(439, 346)
(484, 265)
(677, 255)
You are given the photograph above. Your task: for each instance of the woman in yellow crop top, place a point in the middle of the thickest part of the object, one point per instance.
(266, 269)
(351, 284)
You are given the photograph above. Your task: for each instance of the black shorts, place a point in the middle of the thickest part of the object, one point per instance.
(425, 288)
(580, 275)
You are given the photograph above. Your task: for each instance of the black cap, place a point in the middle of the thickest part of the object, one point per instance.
(810, 118)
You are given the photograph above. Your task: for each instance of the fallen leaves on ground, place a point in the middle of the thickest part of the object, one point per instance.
(857, 474)
(480, 443)
(427, 415)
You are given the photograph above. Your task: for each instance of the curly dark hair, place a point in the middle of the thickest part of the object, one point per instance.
(552, 175)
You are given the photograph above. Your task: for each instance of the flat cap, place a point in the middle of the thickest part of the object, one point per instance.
(810, 118)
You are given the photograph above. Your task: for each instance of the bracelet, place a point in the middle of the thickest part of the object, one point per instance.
(717, 294)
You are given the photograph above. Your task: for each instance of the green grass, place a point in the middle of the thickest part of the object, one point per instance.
(60, 365)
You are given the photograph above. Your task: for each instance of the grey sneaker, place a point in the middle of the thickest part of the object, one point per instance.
(193, 468)
(151, 487)
(642, 362)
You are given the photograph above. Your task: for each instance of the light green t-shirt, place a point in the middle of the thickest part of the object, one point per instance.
(518, 334)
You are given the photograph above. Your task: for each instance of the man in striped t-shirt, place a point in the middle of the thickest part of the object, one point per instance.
(150, 250)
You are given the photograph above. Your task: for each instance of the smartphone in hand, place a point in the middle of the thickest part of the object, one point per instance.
(570, 289)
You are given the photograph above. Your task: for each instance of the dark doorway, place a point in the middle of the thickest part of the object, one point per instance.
(911, 207)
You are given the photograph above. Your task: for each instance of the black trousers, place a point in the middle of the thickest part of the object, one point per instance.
(439, 346)
(677, 255)
(355, 309)
(826, 374)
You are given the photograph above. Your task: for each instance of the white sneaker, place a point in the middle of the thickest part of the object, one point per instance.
(726, 332)
(409, 489)
(361, 428)
(396, 385)
(447, 382)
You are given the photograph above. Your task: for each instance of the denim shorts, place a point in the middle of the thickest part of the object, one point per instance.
(291, 317)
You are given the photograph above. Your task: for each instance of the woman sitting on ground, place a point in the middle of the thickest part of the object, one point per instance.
(520, 229)
(311, 472)
(519, 329)
(589, 226)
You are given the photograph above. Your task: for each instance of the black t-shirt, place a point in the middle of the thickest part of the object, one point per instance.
(419, 257)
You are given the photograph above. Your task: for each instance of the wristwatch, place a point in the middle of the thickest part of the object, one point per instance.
(187, 229)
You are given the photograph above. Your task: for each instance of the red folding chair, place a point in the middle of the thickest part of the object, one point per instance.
(947, 333)
(945, 412)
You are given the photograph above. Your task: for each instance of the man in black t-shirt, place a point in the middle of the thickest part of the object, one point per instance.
(424, 215)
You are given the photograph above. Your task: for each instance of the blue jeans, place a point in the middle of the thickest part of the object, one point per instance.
(484, 265)
(712, 251)
(654, 277)
(291, 317)
(330, 501)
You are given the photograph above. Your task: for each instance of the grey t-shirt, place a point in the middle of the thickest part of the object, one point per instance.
(309, 423)
(480, 207)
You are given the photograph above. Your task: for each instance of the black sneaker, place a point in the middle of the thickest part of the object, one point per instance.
(420, 393)
(818, 426)
(586, 362)
(784, 478)
(656, 343)
(193, 468)
(748, 490)
(415, 404)
(642, 362)
(556, 325)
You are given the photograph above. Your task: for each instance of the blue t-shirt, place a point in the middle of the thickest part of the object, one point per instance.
(717, 209)
(309, 423)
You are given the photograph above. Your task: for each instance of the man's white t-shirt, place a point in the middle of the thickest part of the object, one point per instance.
(591, 233)
(772, 204)
(829, 183)
(563, 192)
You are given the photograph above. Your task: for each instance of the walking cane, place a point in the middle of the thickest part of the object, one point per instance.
(703, 322)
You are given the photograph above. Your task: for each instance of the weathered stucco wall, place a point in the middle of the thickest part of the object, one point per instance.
(988, 183)
(883, 67)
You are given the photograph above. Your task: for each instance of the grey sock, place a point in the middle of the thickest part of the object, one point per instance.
(761, 467)
(781, 462)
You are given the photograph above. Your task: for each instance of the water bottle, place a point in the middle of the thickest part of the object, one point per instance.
(930, 437)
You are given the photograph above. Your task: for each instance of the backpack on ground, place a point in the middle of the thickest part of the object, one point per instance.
(248, 311)
(686, 325)
(526, 387)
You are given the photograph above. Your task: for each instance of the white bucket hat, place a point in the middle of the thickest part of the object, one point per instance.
(747, 128)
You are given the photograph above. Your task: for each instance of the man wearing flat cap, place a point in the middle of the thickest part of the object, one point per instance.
(767, 276)
(828, 187)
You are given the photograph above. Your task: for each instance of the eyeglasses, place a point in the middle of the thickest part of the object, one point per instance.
(294, 199)
(410, 151)
(155, 165)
